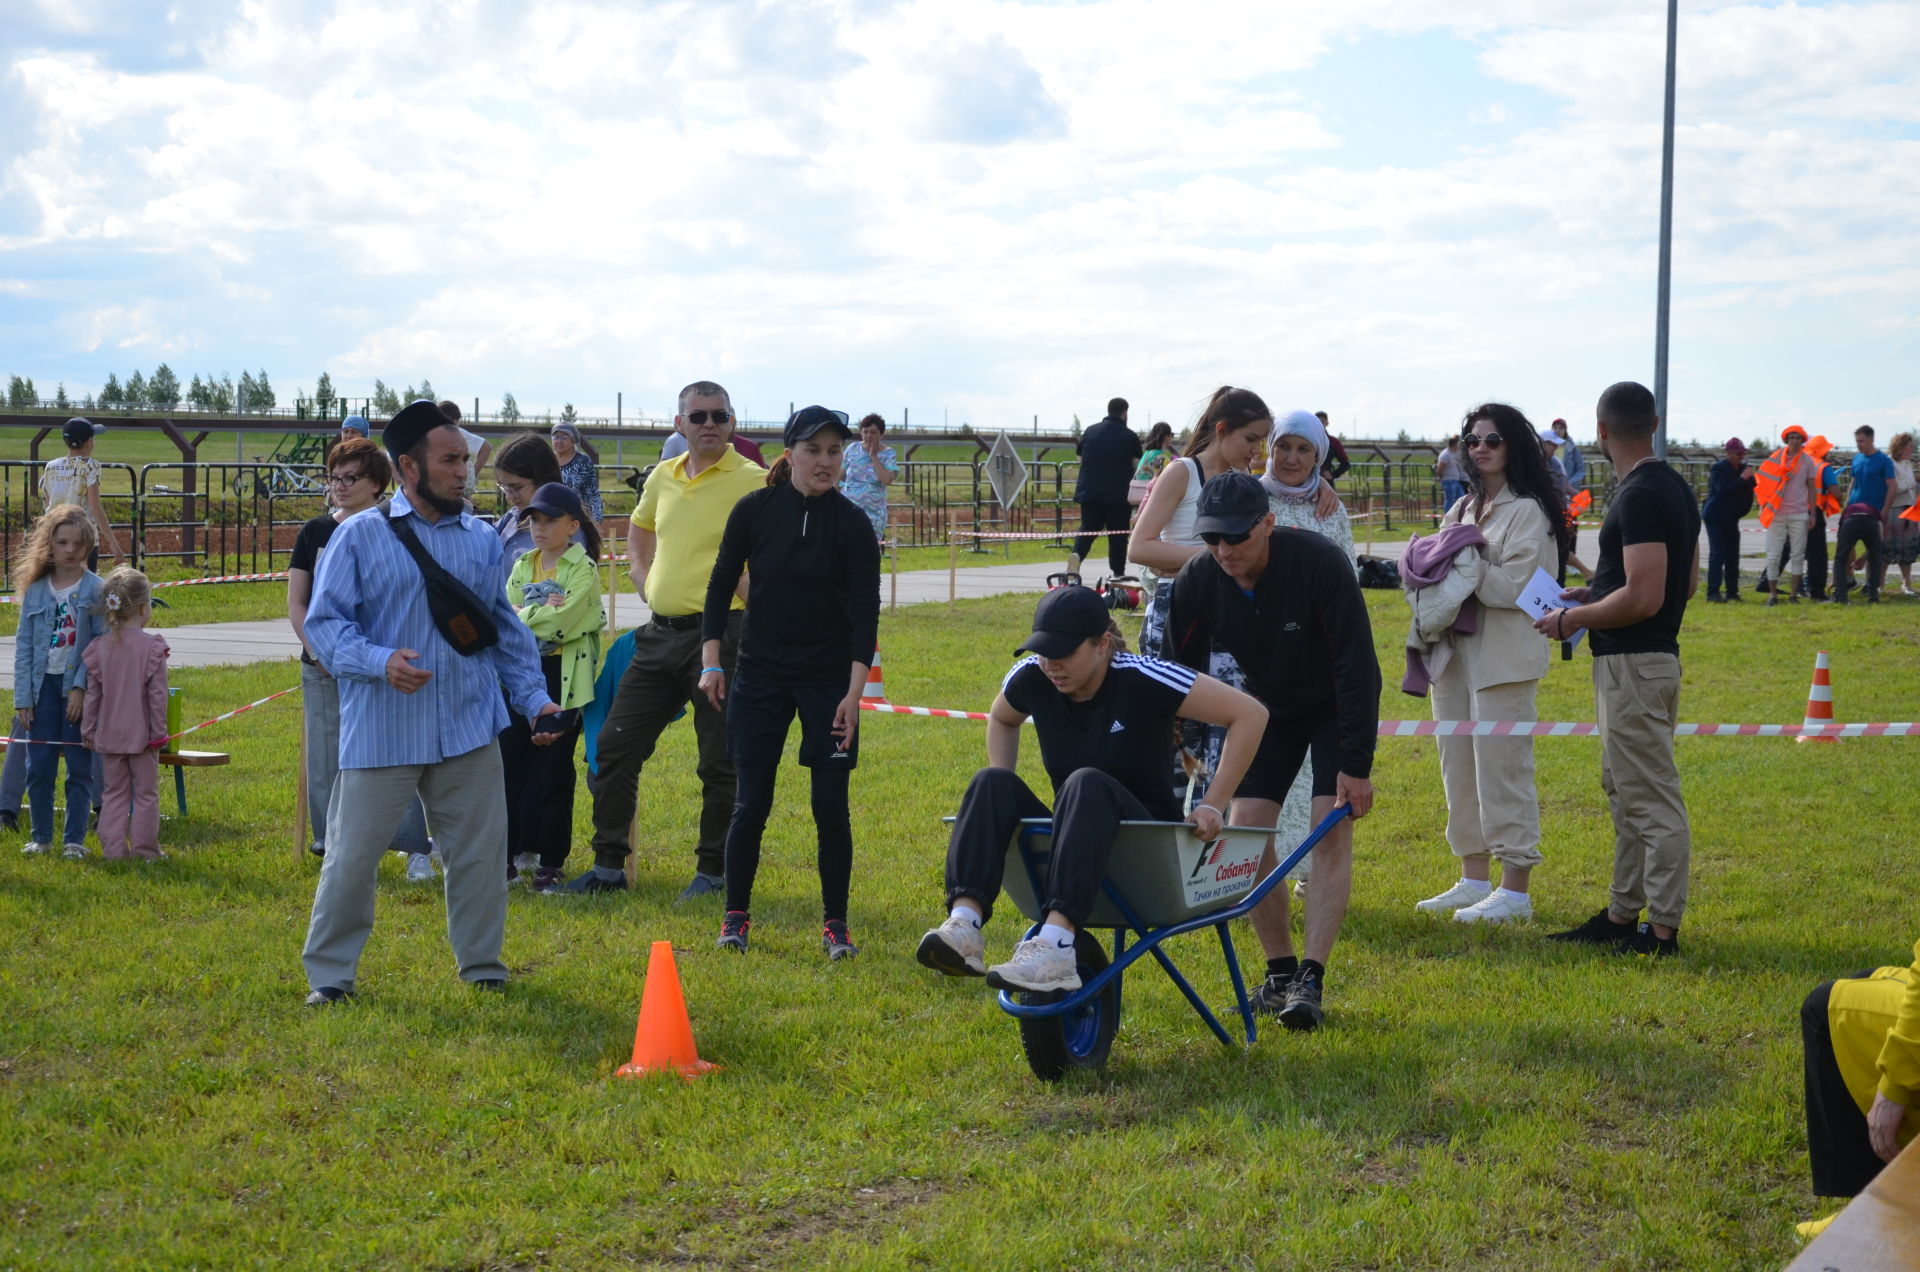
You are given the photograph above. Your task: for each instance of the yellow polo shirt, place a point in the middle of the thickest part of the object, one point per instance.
(689, 517)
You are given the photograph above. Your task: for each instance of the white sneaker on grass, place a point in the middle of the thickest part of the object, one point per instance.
(1037, 965)
(955, 948)
(34, 848)
(1460, 895)
(1497, 907)
(74, 852)
(527, 862)
(419, 868)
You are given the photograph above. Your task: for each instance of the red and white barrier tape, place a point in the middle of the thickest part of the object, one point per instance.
(261, 702)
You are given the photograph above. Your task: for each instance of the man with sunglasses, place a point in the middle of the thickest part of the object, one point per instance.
(671, 547)
(1285, 604)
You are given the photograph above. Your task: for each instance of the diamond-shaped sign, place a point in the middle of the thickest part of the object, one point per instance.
(1006, 471)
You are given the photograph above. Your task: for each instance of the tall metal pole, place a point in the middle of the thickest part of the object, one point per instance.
(1666, 241)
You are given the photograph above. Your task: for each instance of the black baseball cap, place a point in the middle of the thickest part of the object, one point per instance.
(77, 430)
(1229, 504)
(557, 499)
(808, 420)
(1065, 619)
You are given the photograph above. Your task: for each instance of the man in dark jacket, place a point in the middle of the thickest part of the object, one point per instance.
(1108, 452)
(1729, 498)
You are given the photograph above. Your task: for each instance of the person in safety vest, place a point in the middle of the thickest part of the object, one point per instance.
(1785, 490)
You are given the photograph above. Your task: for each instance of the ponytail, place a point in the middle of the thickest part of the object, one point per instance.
(781, 472)
(594, 543)
(1228, 409)
(1116, 636)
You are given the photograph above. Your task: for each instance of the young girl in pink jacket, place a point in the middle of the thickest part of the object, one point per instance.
(125, 716)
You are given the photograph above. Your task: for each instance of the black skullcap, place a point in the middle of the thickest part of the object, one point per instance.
(415, 421)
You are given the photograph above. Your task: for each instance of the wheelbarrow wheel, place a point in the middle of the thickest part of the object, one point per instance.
(1078, 1039)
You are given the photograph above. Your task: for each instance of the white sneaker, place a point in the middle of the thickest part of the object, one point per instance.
(74, 852)
(1037, 965)
(527, 862)
(1497, 907)
(1459, 895)
(956, 947)
(34, 848)
(419, 868)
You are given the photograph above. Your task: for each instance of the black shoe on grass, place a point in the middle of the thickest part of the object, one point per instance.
(1303, 1011)
(837, 941)
(328, 995)
(1647, 945)
(733, 931)
(588, 881)
(1269, 997)
(9, 820)
(1598, 930)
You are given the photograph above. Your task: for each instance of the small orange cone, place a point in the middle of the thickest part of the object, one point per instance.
(663, 1041)
(876, 688)
(1819, 701)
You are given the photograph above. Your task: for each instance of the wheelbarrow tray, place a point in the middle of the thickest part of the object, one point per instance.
(1166, 874)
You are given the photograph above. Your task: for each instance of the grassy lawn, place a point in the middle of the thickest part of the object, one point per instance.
(1478, 1099)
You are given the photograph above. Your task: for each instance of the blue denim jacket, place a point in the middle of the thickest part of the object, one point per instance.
(36, 629)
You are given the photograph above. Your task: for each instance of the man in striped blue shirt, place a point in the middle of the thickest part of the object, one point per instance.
(415, 715)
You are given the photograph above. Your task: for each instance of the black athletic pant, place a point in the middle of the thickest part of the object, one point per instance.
(1111, 516)
(1723, 557)
(1087, 814)
(540, 782)
(1838, 1149)
(759, 713)
(1863, 531)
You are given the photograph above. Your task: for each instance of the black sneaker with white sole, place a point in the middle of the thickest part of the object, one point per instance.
(733, 931)
(836, 941)
(1303, 1011)
(1269, 997)
(1598, 930)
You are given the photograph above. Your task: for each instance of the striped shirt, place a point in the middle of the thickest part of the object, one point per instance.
(369, 600)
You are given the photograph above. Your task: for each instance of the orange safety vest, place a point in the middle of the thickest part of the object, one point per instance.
(1773, 474)
(1581, 501)
(1912, 513)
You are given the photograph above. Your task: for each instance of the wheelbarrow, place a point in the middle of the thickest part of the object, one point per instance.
(1161, 882)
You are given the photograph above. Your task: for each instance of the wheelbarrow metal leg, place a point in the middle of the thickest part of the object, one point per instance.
(1239, 983)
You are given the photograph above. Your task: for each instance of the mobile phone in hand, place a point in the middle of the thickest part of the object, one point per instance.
(557, 722)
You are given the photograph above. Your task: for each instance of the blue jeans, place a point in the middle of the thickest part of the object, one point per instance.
(13, 776)
(50, 724)
(1452, 492)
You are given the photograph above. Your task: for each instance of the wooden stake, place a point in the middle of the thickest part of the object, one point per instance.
(300, 840)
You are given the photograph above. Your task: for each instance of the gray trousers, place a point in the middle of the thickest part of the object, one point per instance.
(320, 709)
(466, 802)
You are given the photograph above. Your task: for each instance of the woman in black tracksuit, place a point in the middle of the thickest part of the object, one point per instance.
(813, 608)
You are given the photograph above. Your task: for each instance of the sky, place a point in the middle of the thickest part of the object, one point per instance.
(969, 210)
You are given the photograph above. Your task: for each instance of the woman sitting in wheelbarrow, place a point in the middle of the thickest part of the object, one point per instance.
(1105, 720)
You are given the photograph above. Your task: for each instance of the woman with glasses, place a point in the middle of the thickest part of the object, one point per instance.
(577, 459)
(523, 465)
(357, 475)
(1493, 809)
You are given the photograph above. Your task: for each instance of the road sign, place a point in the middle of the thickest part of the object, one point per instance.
(1006, 471)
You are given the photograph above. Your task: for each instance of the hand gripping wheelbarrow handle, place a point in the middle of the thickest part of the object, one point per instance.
(1148, 942)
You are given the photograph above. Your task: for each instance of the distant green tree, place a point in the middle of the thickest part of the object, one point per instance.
(86, 403)
(164, 388)
(197, 393)
(385, 400)
(1405, 438)
(112, 394)
(263, 397)
(243, 396)
(136, 389)
(16, 392)
(220, 395)
(60, 397)
(509, 410)
(324, 397)
(426, 391)
(568, 415)
(302, 404)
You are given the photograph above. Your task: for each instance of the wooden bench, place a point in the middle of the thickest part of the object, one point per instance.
(181, 761)
(1879, 1231)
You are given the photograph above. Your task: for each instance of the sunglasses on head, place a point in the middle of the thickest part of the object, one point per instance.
(700, 417)
(1214, 538)
(1489, 440)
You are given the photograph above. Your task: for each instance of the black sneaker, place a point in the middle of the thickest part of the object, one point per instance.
(589, 881)
(1598, 930)
(1269, 997)
(733, 931)
(328, 995)
(547, 880)
(9, 819)
(1648, 945)
(702, 885)
(1303, 1011)
(836, 941)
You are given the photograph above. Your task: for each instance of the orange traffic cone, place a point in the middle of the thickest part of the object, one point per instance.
(876, 687)
(663, 1041)
(1819, 702)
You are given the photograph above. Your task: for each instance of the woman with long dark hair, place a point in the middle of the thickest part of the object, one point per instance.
(1493, 808)
(521, 467)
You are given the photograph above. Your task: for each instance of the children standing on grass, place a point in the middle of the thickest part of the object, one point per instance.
(124, 718)
(59, 617)
(556, 591)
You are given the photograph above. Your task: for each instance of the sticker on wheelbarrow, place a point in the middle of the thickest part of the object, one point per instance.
(1221, 869)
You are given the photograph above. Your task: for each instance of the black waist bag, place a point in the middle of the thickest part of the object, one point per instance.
(460, 617)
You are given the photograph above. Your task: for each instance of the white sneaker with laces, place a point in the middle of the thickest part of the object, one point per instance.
(34, 848)
(1460, 895)
(1497, 907)
(1037, 965)
(74, 852)
(956, 948)
(419, 868)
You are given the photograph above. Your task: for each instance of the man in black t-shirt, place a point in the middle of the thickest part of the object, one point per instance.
(1285, 604)
(1108, 452)
(1648, 569)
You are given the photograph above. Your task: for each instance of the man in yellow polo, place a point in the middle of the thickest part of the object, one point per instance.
(675, 537)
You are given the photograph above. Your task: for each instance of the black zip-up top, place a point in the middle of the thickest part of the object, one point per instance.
(813, 606)
(1304, 639)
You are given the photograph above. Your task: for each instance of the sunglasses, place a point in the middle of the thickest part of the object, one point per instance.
(700, 417)
(1214, 538)
(1489, 440)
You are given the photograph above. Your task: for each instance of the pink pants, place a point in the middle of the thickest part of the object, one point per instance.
(131, 794)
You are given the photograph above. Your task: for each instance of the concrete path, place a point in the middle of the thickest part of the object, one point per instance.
(226, 644)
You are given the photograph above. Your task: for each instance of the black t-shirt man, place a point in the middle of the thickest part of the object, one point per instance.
(1125, 730)
(1652, 504)
(307, 547)
(1108, 453)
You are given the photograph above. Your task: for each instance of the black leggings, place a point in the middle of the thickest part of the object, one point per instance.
(1089, 808)
(1838, 1148)
(753, 800)
(540, 782)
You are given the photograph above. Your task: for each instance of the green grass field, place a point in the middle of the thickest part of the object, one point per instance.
(1478, 1099)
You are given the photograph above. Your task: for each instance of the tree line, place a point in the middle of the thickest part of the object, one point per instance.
(254, 392)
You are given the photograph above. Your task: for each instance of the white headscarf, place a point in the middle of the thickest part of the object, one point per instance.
(1299, 424)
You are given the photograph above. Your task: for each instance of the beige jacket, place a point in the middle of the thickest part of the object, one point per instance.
(1506, 650)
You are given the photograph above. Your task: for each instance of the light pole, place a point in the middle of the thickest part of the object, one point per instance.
(1666, 243)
